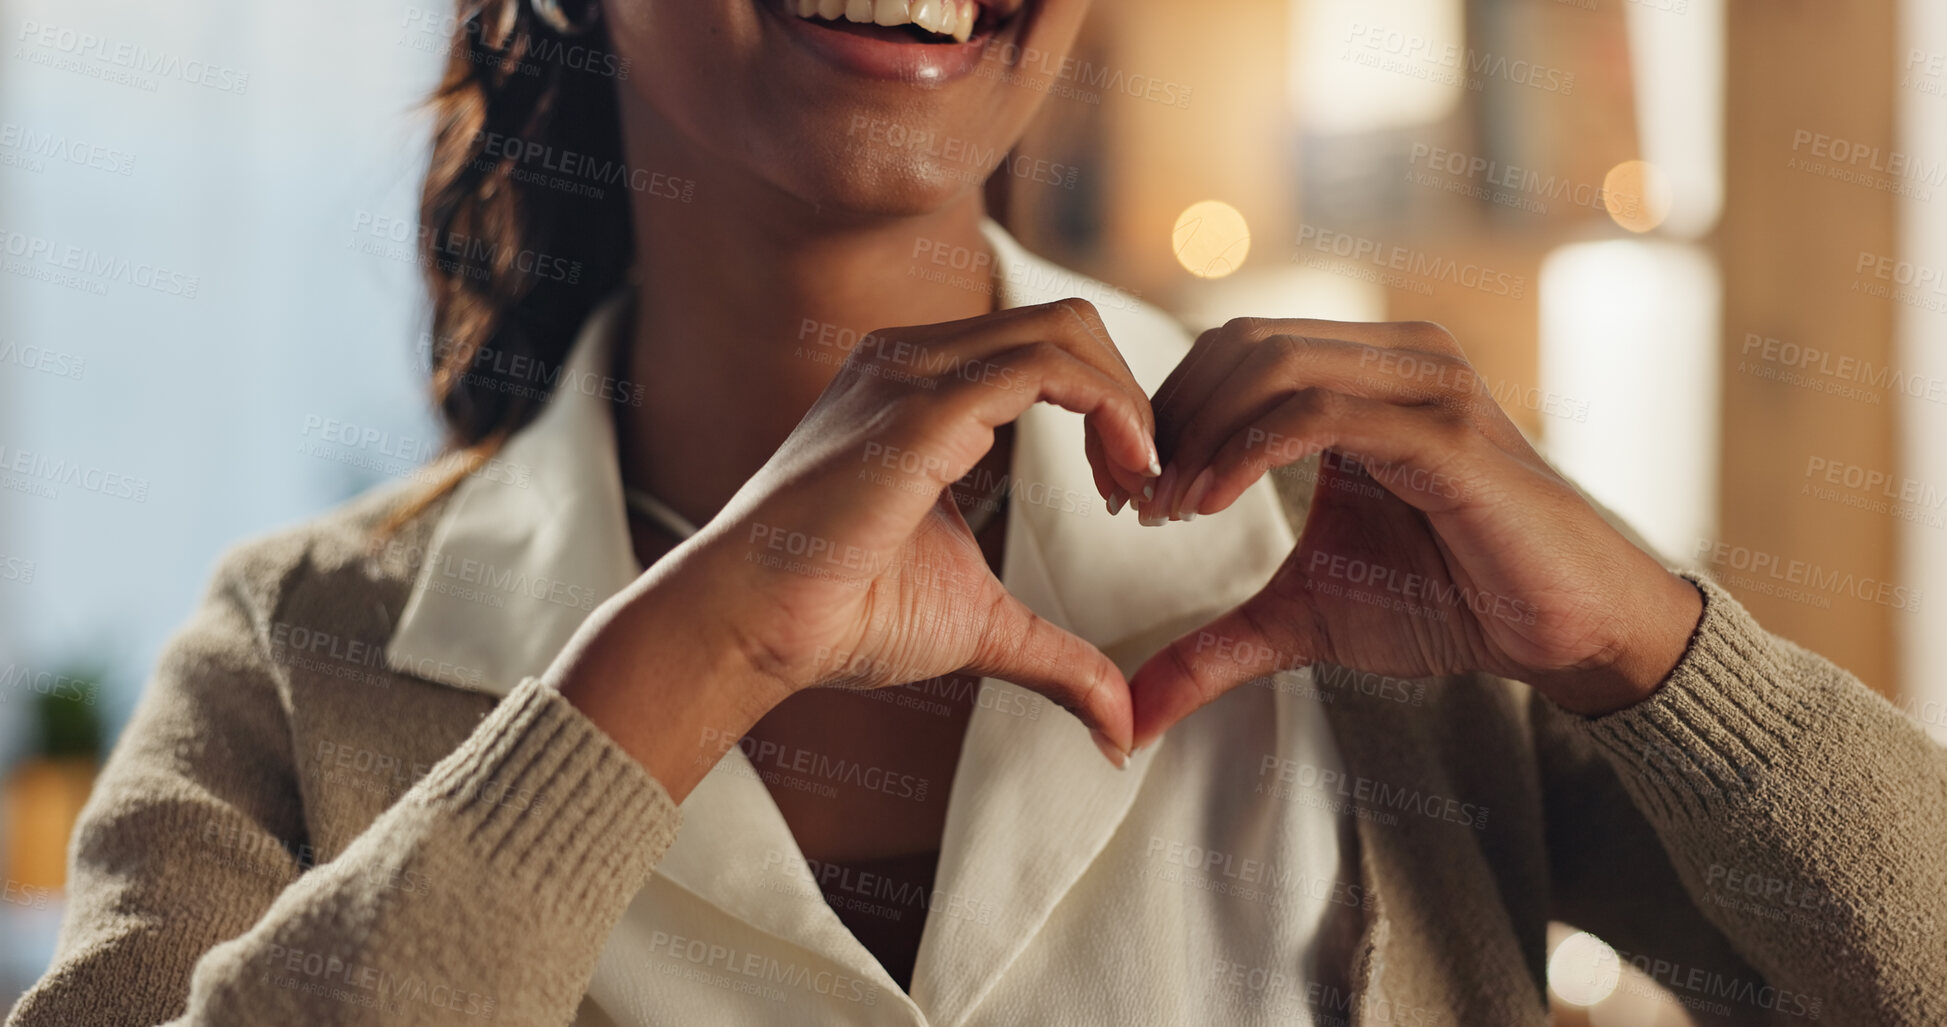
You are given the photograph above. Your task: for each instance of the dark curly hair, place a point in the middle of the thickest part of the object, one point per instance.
(517, 254)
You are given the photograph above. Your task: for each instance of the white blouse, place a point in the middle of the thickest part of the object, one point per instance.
(1197, 886)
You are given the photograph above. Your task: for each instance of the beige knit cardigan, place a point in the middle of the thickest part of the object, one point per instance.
(282, 837)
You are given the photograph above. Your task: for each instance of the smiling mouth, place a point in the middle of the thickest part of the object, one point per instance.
(922, 21)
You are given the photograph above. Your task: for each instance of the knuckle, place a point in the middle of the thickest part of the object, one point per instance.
(1033, 359)
(1307, 412)
(1065, 317)
(1320, 405)
(1081, 308)
(1092, 683)
(1451, 377)
(1287, 349)
(1451, 359)
(1456, 430)
(1251, 328)
(1084, 314)
(1432, 334)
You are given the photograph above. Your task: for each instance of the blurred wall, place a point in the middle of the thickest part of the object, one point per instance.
(207, 329)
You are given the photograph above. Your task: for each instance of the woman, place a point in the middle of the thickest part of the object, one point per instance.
(420, 761)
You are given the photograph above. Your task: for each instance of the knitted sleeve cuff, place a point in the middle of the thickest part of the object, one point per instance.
(1730, 713)
(549, 800)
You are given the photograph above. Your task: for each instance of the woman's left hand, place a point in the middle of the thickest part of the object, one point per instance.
(1438, 541)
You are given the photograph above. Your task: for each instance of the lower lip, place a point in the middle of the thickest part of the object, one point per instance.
(923, 63)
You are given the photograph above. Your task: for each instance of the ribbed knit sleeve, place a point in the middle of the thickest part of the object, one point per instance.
(485, 893)
(599, 826)
(507, 901)
(1806, 816)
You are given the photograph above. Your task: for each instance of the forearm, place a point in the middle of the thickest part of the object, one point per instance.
(1760, 762)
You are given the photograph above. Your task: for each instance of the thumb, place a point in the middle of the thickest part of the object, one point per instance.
(1206, 663)
(1023, 647)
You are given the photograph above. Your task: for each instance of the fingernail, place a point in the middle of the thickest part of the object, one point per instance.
(1152, 520)
(1165, 487)
(1193, 498)
(1155, 462)
(1116, 757)
(1116, 499)
(1149, 442)
(1149, 490)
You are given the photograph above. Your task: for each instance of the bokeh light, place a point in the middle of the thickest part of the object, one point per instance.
(1211, 239)
(1638, 195)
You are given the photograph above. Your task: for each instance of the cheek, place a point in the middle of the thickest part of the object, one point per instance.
(688, 55)
(695, 64)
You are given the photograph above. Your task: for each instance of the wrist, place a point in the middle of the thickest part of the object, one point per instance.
(1654, 641)
(665, 690)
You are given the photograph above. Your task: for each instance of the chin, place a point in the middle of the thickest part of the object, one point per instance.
(850, 190)
(877, 108)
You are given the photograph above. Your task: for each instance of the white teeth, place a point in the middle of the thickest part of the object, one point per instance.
(931, 15)
(954, 18)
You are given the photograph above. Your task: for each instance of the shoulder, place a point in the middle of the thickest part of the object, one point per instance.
(313, 590)
(353, 560)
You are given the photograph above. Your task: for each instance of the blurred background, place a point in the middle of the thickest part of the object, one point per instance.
(1696, 248)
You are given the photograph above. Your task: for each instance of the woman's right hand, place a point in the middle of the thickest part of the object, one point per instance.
(844, 562)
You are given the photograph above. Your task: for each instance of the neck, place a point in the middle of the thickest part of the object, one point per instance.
(747, 301)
